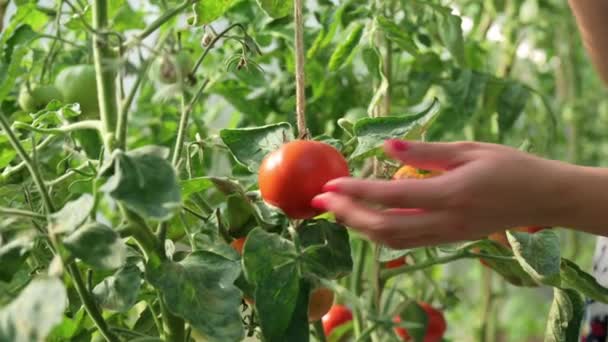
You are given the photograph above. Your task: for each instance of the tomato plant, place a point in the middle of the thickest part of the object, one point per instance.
(435, 325)
(141, 146)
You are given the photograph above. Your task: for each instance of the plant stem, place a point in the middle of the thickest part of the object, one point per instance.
(174, 330)
(160, 21)
(89, 304)
(77, 126)
(318, 325)
(300, 74)
(106, 75)
(212, 44)
(36, 176)
(21, 213)
(183, 122)
(358, 322)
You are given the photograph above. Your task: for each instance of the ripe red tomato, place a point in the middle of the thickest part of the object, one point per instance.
(238, 245)
(395, 263)
(436, 325)
(319, 303)
(291, 176)
(337, 315)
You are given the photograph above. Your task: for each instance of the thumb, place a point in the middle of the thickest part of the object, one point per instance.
(432, 156)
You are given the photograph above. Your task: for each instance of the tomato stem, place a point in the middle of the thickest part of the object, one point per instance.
(300, 74)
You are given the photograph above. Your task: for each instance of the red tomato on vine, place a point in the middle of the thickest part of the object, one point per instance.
(435, 328)
(291, 176)
(337, 316)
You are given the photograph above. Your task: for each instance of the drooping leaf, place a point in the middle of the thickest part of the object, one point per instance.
(277, 8)
(538, 254)
(201, 290)
(144, 181)
(345, 49)
(326, 249)
(249, 146)
(34, 313)
(119, 292)
(572, 277)
(372, 132)
(565, 317)
(72, 215)
(450, 33)
(97, 245)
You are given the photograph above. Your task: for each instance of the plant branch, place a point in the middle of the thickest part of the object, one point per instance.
(219, 36)
(36, 176)
(21, 213)
(183, 122)
(77, 126)
(9, 171)
(159, 22)
(106, 75)
(300, 74)
(389, 273)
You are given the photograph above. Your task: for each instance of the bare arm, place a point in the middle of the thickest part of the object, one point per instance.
(591, 16)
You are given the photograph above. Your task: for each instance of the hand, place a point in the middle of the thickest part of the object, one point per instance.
(486, 188)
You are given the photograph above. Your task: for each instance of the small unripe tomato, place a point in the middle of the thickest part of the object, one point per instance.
(319, 303)
(37, 97)
(291, 176)
(238, 244)
(337, 315)
(78, 84)
(435, 328)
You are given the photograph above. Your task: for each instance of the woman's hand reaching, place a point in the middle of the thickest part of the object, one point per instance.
(486, 188)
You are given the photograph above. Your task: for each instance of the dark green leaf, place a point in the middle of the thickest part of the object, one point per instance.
(277, 8)
(565, 317)
(326, 249)
(263, 252)
(249, 146)
(194, 185)
(511, 103)
(12, 257)
(72, 215)
(510, 270)
(538, 254)
(345, 49)
(450, 33)
(119, 292)
(396, 34)
(207, 11)
(372, 132)
(32, 315)
(201, 289)
(97, 245)
(144, 181)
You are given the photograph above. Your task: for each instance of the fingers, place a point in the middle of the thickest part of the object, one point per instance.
(433, 156)
(406, 193)
(388, 227)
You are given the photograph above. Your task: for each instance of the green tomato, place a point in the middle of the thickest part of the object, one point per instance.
(37, 97)
(78, 84)
(170, 69)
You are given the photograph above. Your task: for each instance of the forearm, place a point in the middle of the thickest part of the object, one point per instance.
(584, 199)
(591, 17)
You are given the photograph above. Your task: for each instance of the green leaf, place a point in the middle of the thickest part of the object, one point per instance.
(97, 245)
(12, 257)
(195, 185)
(249, 146)
(572, 277)
(397, 34)
(263, 252)
(277, 8)
(345, 50)
(207, 11)
(326, 249)
(565, 317)
(388, 254)
(510, 270)
(201, 290)
(450, 33)
(538, 254)
(34, 313)
(144, 181)
(119, 292)
(72, 215)
(511, 103)
(372, 132)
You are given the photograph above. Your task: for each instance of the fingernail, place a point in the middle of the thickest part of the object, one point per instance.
(398, 145)
(330, 187)
(319, 203)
